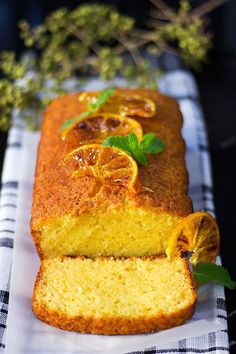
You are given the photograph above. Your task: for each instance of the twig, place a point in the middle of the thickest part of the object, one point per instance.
(130, 47)
(128, 43)
(154, 23)
(165, 9)
(156, 14)
(146, 36)
(149, 37)
(167, 49)
(80, 36)
(206, 8)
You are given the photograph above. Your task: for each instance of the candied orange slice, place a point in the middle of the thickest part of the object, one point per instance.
(197, 233)
(95, 128)
(136, 105)
(125, 104)
(109, 164)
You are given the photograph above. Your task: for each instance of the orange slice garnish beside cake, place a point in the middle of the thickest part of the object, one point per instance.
(197, 233)
(95, 128)
(108, 164)
(125, 104)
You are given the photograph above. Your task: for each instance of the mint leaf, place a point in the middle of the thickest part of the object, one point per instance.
(150, 144)
(147, 140)
(140, 157)
(121, 142)
(136, 150)
(92, 108)
(128, 144)
(73, 120)
(213, 273)
(133, 141)
(102, 98)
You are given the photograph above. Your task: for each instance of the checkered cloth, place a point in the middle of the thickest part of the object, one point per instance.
(179, 84)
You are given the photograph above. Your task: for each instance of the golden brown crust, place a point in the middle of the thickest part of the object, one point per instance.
(56, 194)
(113, 325)
(109, 326)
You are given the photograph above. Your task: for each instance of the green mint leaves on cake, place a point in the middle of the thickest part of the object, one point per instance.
(73, 120)
(205, 273)
(150, 144)
(92, 108)
(102, 98)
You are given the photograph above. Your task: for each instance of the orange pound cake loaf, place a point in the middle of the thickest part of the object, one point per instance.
(114, 296)
(94, 200)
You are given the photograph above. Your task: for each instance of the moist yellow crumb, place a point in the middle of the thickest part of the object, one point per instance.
(110, 296)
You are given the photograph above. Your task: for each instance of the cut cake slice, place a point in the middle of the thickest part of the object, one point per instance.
(114, 296)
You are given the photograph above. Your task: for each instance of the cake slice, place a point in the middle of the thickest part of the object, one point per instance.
(114, 296)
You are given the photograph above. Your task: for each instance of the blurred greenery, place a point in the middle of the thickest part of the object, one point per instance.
(94, 39)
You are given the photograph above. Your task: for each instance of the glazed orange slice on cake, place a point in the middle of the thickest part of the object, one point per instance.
(136, 105)
(98, 126)
(125, 104)
(198, 233)
(109, 164)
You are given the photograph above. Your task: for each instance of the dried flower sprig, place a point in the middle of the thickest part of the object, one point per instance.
(97, 39)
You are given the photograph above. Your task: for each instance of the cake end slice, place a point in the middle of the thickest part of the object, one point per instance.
(114, 296)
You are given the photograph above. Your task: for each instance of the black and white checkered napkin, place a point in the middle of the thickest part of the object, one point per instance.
(180, 85)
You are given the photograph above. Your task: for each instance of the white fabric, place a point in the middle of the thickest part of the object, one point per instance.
(17, 180)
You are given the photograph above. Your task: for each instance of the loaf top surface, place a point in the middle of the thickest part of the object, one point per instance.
(165, 178)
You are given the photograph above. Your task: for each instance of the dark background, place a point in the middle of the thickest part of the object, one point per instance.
(217, 86)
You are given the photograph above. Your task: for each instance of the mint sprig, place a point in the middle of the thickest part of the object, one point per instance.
(102, 98)
(92, 108)
(71, 121)
(150, 144)
(205, 273)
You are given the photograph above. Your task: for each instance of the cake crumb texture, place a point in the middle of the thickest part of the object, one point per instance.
(114, 296)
